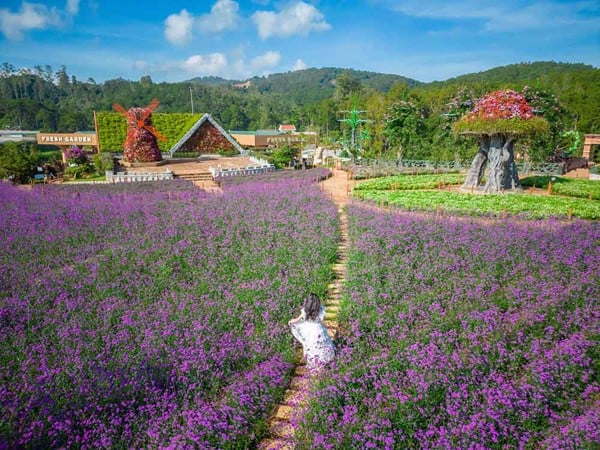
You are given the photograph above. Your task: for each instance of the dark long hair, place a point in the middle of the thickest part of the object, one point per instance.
(312, 307)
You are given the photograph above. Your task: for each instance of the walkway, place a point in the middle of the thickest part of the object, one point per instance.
(281, 428)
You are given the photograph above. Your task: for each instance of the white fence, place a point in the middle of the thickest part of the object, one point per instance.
(262, 167)
(122, 177)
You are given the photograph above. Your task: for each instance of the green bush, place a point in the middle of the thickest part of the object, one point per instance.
(282, 156)
(18, 161)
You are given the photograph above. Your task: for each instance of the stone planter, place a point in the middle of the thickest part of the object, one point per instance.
(595, 176)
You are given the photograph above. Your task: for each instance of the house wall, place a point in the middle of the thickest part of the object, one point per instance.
(245, 140)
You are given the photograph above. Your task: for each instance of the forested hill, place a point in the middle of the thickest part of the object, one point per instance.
(518, 73)
(311, 85)
(318, 84)
(47, 100)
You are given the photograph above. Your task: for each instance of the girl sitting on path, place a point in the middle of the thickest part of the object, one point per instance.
(309, 330)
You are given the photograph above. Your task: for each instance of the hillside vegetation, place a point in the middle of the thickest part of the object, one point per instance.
(407, 118)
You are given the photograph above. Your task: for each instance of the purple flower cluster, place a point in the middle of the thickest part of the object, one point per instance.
(136, 316)
(464, 334)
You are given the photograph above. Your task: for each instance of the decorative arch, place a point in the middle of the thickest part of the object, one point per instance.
(590, 139)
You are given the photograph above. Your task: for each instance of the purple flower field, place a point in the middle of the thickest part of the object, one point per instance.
(464, 334)
(150, 316)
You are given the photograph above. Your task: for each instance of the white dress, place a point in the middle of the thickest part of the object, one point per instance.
(316, 343)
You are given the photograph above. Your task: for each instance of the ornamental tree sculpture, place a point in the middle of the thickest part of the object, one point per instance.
(141, 144)
(497, 120)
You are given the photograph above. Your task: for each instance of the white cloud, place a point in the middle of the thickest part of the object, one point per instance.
(299, 65)
(72, 7)
(32, 16)
(218, 64)
(213, 64)
(267, 60)
(224, 15)
(296, 18)
(178, 27)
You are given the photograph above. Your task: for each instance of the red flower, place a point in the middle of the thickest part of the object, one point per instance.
(501, 105)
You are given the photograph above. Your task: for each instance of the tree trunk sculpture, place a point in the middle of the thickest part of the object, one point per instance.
(497, 120)
(495, 152)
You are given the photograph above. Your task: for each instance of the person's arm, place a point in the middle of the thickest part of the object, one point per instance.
(300, 318)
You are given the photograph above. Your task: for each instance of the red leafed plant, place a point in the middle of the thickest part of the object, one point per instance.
(501, 105)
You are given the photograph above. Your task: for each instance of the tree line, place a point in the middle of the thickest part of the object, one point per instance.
(406, 118)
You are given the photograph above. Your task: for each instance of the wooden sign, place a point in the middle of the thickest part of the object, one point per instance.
(67, 139)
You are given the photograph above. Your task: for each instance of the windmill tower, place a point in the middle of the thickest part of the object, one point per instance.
(141, 143)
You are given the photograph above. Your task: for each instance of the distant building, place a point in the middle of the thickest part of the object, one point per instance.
(256, 139)
(18, 136)
(286, 128)
(244, 85)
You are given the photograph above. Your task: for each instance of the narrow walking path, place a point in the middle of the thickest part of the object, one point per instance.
(281, 428)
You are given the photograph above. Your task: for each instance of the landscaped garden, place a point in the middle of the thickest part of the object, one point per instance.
(570, 198)
(154, 314)
(463, 334)
(147, 315)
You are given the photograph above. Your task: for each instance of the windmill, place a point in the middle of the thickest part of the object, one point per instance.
(140, 144)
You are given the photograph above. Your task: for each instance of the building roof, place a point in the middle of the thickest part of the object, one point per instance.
(257, 132)
(287, 127)
(197, 125)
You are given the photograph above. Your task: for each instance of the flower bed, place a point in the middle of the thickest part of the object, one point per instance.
(570, 187)
(143, 317)
(363, 172)
(524, 205)
(410, 182)
(464, 335)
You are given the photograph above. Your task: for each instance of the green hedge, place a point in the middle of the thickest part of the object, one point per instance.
(112, 129)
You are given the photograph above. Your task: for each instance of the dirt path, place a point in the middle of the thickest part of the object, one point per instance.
(281, 423)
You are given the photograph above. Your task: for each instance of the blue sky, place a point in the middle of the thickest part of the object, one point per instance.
(178, 40)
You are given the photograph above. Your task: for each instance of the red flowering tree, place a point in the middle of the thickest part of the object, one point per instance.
(141, 144)
(497, 120)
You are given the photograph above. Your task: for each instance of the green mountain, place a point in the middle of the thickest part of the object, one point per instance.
(309, 85)
(212, 81)
(524, 72)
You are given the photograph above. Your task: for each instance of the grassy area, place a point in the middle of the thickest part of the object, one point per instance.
(411, 182)
(409, 192)
(571, 187)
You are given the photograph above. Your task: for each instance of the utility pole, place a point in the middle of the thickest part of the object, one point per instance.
(192, 99)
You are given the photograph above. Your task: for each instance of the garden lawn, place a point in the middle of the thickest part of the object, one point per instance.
(570, 187)
(152, 315)
(523, 204)
(410, 182)
(463, 334)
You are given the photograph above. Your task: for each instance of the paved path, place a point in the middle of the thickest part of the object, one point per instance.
(281, 428)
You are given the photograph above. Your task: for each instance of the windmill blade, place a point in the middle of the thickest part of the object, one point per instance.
(155, 132)
(149, 109)
(120, 109)
(153, 104)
